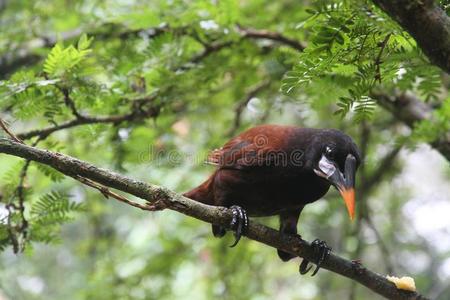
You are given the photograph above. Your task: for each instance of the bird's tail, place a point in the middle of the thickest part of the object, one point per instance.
(204, 193)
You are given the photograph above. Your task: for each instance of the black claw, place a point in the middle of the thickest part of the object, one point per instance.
(303, 269)
(239, 223)
(321, 252)
(316, 270)
(236, 241)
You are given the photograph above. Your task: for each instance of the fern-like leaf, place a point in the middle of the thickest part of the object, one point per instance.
(53, 174)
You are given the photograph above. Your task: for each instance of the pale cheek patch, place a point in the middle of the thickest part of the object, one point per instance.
(326, 166)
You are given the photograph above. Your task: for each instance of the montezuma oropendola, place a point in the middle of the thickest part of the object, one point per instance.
(277, 170)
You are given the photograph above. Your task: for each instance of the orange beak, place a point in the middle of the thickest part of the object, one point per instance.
(344, 183)
(349, 197)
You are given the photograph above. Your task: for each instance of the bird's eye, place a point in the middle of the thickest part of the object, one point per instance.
(329, 152)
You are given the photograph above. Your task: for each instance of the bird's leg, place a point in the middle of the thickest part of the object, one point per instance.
(321, 252)
(239, 222)
(288, 225)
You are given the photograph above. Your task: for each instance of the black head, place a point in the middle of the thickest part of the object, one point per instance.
(335, 157)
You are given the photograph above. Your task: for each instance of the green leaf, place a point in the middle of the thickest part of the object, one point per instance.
(49, 213)
(53, 174)
(62, 62)
(84, 42)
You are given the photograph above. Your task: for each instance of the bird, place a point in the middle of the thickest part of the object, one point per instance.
(271, 170)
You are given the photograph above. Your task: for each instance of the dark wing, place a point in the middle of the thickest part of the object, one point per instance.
(260, 146)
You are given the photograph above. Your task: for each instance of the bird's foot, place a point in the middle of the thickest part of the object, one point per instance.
(239, 223)
(321, 252)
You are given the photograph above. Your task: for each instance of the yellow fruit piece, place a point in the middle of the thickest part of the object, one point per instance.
(405, 283)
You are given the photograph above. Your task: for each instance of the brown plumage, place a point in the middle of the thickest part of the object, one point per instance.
(277, 170)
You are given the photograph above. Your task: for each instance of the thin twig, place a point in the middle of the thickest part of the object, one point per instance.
(138, 112)
(364, 140)
(378, 59)
(207, 51)
(12, 235)
(269, 35)
(358, 56)
(252, 92)
(11, 207)
(383, 166)
(69, 102)
(21, 196)
(390, 268)
(108, 193)
(6, 129)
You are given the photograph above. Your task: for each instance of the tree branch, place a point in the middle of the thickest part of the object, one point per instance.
(378, 59)
(26, 56)
(212, 214)
(274, 36)
(137, 110)
(407, 108)
(239, 109)
(209, 49)
(108, 193)
(137, 113)
(383, 166)
(9, 132)
(68, 101)
(69, 124)
(427, 23)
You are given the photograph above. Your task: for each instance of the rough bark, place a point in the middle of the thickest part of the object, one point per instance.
(427, 23)
(218, 215)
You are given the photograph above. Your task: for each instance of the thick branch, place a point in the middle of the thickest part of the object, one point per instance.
(427, 23)
(409, 109)
(218, 215)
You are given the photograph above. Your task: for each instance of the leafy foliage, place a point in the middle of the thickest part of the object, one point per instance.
(48, 213)
(54, 175)
(351, 40)
(62, 61)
